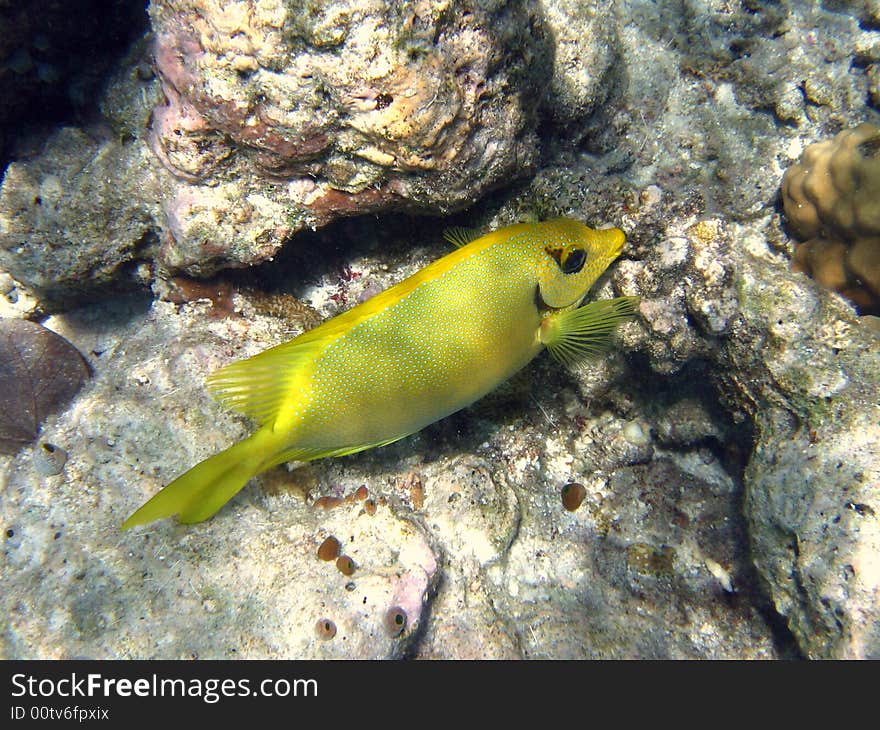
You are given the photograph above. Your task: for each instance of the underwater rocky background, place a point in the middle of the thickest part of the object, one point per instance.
(245, 170)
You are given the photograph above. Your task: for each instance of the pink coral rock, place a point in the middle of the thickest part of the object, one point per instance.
(280, 116)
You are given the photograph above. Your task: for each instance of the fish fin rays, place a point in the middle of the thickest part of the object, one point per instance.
(460, 236)
(200, 492)
(259, 386)
(586, 332)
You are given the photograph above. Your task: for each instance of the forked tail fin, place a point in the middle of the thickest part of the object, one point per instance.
(197, 494)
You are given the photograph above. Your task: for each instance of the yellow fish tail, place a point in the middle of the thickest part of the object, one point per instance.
(204, 489)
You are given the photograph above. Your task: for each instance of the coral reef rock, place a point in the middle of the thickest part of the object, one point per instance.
(796, 369)
(78, 217)
(75, 586)
(832, 200)
(277, 118)
(460, 527)
(810, 376)
(584, 56)
(265, 120)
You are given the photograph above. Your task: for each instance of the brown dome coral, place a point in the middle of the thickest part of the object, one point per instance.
(832, 201)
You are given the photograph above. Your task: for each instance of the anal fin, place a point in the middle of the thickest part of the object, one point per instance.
(300, 454)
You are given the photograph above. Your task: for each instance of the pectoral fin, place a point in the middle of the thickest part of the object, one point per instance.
(585, 332)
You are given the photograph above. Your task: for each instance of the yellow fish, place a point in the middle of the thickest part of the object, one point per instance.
(425, 348)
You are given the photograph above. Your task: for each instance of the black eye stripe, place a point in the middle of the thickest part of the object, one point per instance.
(575, 261)
(555, 254)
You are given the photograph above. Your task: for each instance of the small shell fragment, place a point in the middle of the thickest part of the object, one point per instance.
(329, 549)
(637, 433)
(325, 629)
(573, 495)
(327, 502)
(395, 621)
(49, 459)
(720, 574)
(345, 565)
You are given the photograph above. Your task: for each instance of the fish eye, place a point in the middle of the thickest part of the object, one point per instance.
(574, 261)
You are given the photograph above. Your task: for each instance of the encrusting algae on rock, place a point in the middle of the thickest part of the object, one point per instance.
(423, 349)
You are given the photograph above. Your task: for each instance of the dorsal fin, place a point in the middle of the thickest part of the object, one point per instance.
(459, 236)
